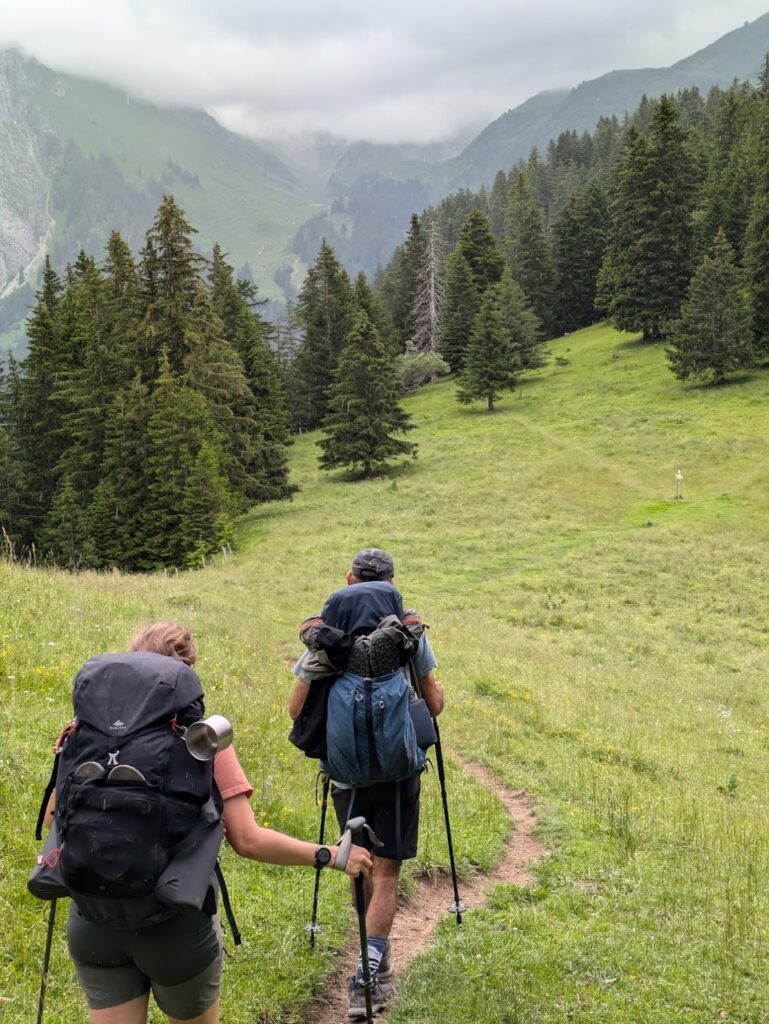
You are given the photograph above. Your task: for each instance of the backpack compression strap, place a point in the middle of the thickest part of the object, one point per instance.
(51, 785)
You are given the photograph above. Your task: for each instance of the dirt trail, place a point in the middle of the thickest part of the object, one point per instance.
(417, 920)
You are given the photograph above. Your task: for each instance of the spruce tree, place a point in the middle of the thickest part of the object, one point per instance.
(529, 253)
(41, 440)
(580, 235)
(364, 412)
(120, 514)
(481, 249)
(648, 260)
(207, 507)
(757, 243)
(65, 537)
(326, 308)
(521, 324)
(712, 337)
(457, 310)
(490, 363)
(170, 270)
(180, 423)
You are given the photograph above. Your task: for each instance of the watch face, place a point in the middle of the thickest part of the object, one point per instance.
(322, 856)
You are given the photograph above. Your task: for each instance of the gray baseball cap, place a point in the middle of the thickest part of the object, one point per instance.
(373, 564)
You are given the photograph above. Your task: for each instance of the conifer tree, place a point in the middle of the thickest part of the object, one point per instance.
(521, 324)
(528, 251)
(364, 413)
(580, 235)
(429, 291)
(712, 337)
(180, 423)
(120, 513)
(122, 304)
(368, 300)
(648, 259)
(326, 309)
(170, 270)
(757, 241)
(480, 248)
(207, 508)
(65, 536)
(41, 441)
(457, 310)
(490, 364)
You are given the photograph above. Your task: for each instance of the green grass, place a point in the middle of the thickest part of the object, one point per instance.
(601, 644)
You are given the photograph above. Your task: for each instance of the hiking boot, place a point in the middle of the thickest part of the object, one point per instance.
(385, 971)
(380, 997)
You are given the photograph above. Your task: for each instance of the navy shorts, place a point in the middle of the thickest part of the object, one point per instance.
(393, 815)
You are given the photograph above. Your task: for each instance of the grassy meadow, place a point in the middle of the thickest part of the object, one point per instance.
(601, 644)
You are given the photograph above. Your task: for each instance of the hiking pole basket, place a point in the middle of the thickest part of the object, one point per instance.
(46, 961)
(313, 926)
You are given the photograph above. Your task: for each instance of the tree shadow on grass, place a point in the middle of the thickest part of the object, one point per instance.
(397, 471)
(737, 379)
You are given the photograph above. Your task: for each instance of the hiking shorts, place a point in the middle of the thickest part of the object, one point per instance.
(395, 826)
(180, 960)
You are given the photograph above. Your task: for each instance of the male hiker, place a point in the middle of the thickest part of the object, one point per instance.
(391, 809)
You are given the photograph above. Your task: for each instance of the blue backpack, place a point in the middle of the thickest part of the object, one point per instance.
(370, 734)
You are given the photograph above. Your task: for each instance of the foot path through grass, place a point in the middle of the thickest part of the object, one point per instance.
(419, 916)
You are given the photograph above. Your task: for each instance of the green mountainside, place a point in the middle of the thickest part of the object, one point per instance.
(78, 158)
(739, 54)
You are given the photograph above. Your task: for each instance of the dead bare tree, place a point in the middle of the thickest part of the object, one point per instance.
(427, 298)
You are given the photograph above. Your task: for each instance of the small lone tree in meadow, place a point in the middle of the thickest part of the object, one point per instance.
(490, 361)
(713, 333)
(364, 413)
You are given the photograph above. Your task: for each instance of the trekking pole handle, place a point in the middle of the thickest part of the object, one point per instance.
(354, 826)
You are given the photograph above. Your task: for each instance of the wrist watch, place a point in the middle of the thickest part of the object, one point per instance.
(323, 857)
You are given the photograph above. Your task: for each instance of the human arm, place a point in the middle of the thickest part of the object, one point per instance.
(432, 691)
(423, 664)
(297, 698)
(270, 847)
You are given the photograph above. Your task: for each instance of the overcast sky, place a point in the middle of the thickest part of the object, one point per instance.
(395, 71)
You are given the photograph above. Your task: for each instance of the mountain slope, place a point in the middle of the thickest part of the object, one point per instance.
(739, 54)
(78, 158)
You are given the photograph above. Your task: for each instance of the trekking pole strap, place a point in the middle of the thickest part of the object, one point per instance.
(227, 905)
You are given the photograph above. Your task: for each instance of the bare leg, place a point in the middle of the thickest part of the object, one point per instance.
(382, 902)
(133, 1012)
(211, 1016)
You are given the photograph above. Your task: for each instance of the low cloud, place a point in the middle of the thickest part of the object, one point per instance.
(402, 71)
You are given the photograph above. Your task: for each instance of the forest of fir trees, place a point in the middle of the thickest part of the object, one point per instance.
(149, 412)
(155, 404)
(659, 223)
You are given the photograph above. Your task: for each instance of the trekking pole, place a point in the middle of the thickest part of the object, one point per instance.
(46, 961)
(354, 826)
(457, 907)
(313, 926)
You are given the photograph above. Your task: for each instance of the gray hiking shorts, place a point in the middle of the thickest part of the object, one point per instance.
(180, 960)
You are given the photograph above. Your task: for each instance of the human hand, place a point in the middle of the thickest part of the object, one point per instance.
(359, 861)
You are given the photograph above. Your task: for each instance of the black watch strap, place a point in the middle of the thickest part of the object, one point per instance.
(323, 857)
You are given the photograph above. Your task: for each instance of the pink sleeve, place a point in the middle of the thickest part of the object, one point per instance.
(229, 776)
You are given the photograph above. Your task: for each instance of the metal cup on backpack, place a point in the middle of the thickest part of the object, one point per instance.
(208, 737)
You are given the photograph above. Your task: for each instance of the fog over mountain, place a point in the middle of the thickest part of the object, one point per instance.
(399, 72)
